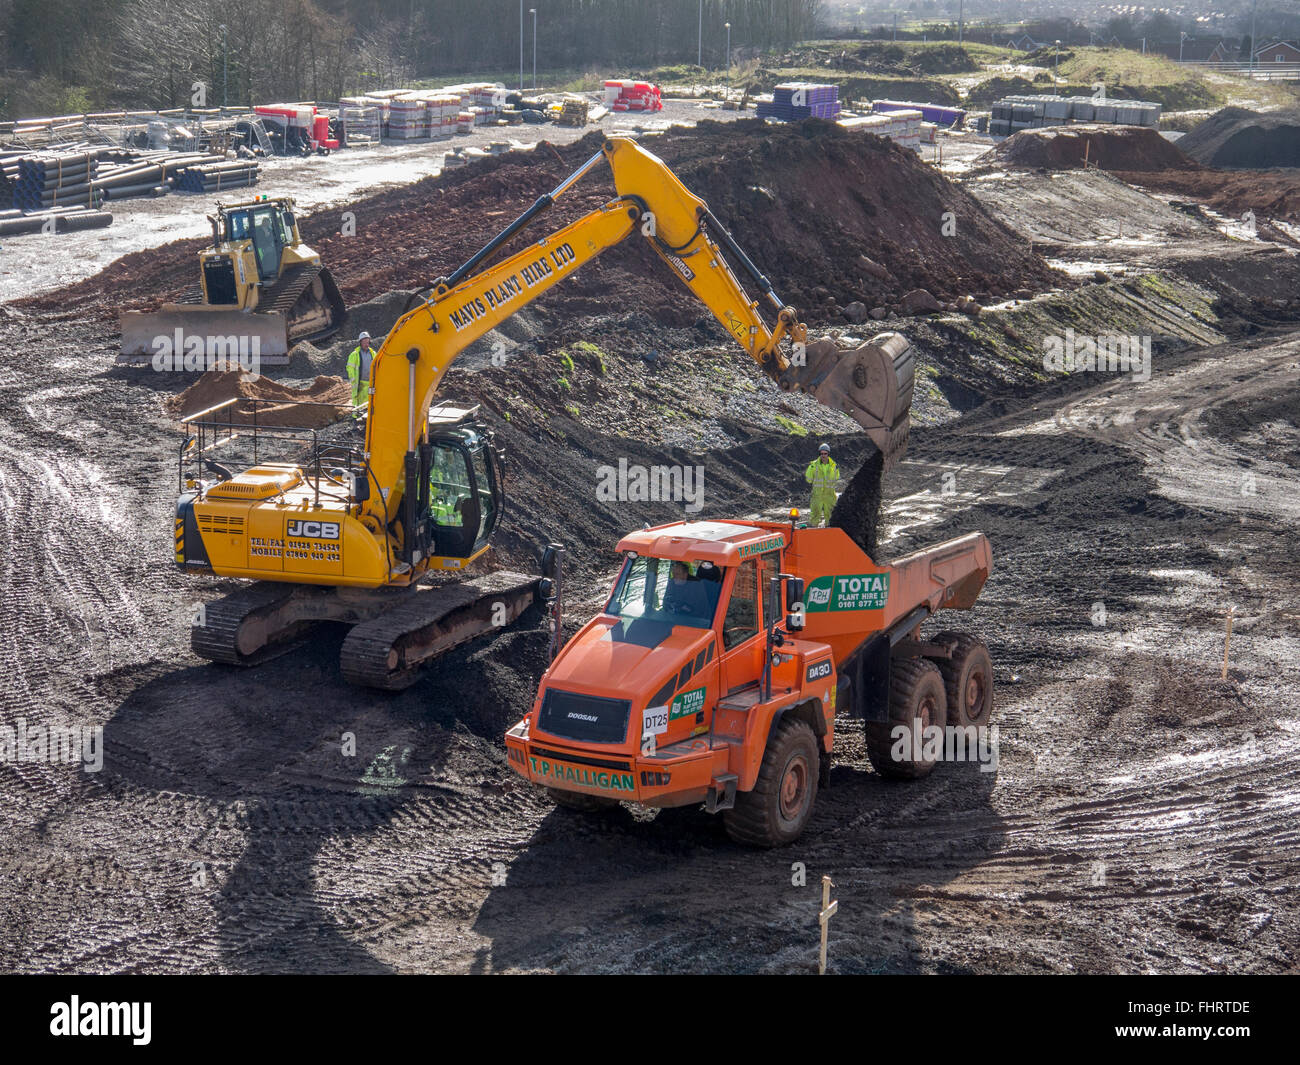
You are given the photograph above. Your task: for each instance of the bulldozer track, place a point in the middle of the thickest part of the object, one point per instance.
(284, 292)
(279, 297)
(382, 653)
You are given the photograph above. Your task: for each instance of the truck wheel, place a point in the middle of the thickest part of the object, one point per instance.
(778, 808)
(967, 679)
(916, 700)
(577, 800)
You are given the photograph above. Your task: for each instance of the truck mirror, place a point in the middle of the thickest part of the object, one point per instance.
(360, 487)
(794, 603)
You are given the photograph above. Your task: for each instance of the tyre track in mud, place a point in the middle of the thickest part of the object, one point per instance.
(1141, 818)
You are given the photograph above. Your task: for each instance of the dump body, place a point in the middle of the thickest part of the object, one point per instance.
(652, 705)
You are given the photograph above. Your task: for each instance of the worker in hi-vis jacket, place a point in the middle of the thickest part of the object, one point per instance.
(822, 473)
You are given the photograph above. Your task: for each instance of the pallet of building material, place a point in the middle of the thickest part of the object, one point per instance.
(626, 95)
(408, 118)
(798, 100)
(947, 117)
(573, 112)
(359, 122)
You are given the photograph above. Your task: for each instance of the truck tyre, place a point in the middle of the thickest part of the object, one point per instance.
(916, 694)
(967, 679)
(778, 808)
(581, 801)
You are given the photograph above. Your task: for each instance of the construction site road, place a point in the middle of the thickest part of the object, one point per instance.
(1142, 815)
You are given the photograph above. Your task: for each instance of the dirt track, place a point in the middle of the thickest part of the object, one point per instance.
(1142, 817)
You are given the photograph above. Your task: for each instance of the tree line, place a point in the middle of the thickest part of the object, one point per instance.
(75, 55)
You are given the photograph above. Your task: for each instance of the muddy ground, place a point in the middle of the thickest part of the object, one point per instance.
(1142, 814)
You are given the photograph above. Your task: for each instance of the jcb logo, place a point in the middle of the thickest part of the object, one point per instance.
(313, 530)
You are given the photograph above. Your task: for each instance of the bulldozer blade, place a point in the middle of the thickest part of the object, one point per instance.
(872, 384)
(195, 337)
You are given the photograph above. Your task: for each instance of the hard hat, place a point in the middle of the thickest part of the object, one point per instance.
(364, 335)
(825, 449)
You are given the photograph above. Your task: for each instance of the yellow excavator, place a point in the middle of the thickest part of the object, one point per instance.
(353, 534)
(261, 290)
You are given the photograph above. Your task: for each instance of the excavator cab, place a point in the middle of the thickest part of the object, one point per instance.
(465, 491)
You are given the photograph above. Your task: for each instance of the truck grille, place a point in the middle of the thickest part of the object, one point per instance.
(584, 717)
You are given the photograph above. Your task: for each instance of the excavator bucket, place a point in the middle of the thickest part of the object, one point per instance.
(191, 336)
(872, 384)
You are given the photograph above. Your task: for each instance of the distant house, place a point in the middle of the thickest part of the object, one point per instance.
(1196, 50)
(1023, 44)
(1278, 52)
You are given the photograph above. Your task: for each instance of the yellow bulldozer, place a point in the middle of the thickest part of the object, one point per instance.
(261, 289)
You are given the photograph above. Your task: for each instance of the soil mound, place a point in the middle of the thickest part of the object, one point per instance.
(805, 201)
(1239, 139)
(1072, 147)
(321, 403)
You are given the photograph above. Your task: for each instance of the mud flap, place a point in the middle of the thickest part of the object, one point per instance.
(190, 548)
(864, 681)
(725, 799)
(191, 337)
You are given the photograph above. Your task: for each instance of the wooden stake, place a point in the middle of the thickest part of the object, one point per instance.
(823, 918)
(1227, 638)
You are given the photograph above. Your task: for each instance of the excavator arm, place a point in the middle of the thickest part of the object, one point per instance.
(873, 383)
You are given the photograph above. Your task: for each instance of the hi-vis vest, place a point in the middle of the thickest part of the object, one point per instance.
(359, 385)
(822, 474)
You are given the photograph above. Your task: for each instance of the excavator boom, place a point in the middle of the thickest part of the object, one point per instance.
(871, 384)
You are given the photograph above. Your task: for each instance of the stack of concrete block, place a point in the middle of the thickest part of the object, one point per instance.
(408, 118)
(902, 127)
(360, 121)
(1014, 113)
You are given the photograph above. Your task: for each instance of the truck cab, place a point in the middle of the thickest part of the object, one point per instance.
(715, 669)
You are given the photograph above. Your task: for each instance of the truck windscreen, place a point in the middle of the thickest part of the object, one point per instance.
(667, 593)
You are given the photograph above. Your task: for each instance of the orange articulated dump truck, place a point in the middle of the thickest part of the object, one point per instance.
(716, 669)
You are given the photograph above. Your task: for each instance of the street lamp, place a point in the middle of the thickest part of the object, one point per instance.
(521, 45)
(533, 11)
(1057, 75)
(727, 26)
(225, 70)
(699, 46)
(1253, 8)
(1182, 36)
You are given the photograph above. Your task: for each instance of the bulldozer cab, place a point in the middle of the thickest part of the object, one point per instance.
(269, 227)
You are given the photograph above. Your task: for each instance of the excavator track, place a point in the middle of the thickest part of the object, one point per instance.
(386, 653)
(229, 629)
